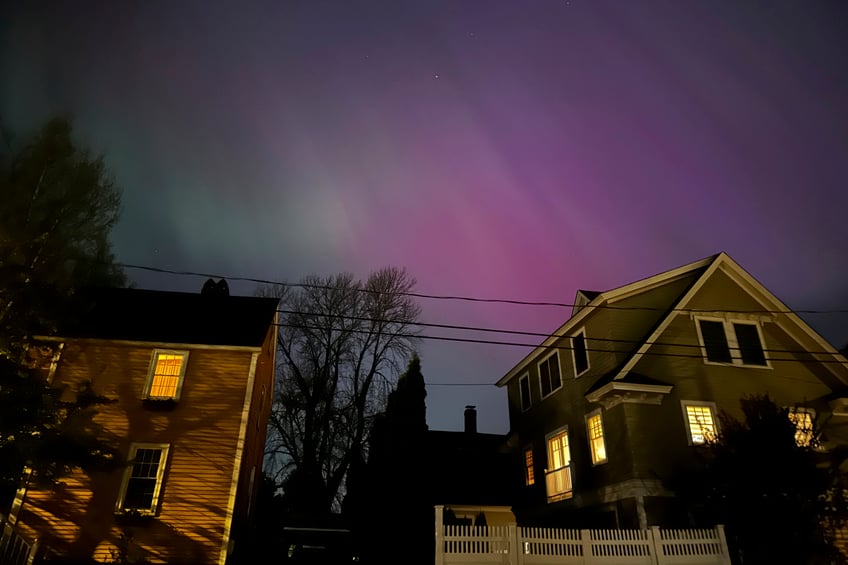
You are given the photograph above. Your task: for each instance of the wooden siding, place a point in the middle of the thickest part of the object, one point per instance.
(202, 429)
(645, 443)
(568, 406)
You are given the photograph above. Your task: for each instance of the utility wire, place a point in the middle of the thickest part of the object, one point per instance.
(470, 298)
(526, 333)
(531, 345)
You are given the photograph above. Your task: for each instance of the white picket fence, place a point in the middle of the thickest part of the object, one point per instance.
(514, 545)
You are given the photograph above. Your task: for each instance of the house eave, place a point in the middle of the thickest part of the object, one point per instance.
(615, 392)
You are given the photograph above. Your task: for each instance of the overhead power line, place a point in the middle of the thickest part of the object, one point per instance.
(475, 299)
(531, 345)
(534, 334)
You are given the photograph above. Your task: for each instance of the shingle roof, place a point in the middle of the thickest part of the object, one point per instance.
(172, 317)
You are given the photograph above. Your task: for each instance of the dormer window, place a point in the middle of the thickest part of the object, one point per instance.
(731, 342)
(167, 370)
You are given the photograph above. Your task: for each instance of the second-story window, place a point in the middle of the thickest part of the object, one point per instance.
(549, 376)
(524, 392)
(581, 355)
(143, 478)
(732, 342)
(167, 370)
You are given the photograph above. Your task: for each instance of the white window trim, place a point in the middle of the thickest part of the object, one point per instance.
(732, 342)
(150, 371)
(526, 377)
(597, 412)
(548, 437)
(711, 405)
(574, 354)
(539, 372)
(160, 477)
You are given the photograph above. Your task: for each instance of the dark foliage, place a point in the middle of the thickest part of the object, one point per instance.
(57, 208)
(781, 502)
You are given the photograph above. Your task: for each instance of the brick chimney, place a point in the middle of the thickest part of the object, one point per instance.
(471, 419)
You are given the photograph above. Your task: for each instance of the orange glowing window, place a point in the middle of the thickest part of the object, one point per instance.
(529, 476)
(167, 371)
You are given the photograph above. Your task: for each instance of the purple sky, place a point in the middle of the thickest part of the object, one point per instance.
(495, 149)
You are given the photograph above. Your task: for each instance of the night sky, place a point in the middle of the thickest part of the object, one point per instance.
(514, 149)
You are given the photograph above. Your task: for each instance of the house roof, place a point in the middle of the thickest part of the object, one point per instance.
(602, 299)
(172, 317)
(701, 271)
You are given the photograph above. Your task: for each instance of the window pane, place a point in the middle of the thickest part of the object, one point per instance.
(750, 347)
(524, 388)
(529, 476)
(141, 485)
(596, 439)
(545, 378)
(558, 451)
(553, 361)
(701, 423)
(166, 375)
(715, 341)
(581, 358)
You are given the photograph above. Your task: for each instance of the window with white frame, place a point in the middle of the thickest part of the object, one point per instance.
(558, 475)
(549, 375)
(595, 433)
(803, 420)
(700, 418)
(579, 353)
(733, 342)
(142, 484)
(529, 472)
(167, 371)
(524, 392)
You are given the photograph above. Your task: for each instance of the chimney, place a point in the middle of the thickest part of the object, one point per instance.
(471, 419)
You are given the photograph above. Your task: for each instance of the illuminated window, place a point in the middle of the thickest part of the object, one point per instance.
(529, 475)
(731, 342)
(167, 369)
(595, 431)
(558, 474)
(524, 392)
(580, 354)
(143, 478)
(549, 376)
(803, 420)
(700, 421)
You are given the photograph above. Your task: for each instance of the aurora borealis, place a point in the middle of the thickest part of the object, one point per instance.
(500, 149)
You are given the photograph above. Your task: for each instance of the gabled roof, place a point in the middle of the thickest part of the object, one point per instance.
(701, 270)
(124, 314)
(784, 317)
(602, 299)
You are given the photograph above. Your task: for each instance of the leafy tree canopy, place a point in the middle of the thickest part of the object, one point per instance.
(57, 208)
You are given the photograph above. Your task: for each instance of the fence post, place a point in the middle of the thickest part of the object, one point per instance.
(516, 549)
(657, 553)
(440, 535)
(586, 543)
(722, 540)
